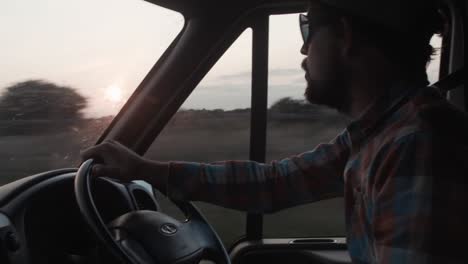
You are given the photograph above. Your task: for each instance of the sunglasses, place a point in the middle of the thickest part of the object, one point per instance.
(304, 26)
(307, 29)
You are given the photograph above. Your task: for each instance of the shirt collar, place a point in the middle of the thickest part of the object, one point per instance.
(379, 111)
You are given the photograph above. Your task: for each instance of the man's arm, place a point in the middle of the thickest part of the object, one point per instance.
(243, 185)
(257, 187)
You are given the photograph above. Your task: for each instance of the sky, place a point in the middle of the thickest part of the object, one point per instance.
(104, 48)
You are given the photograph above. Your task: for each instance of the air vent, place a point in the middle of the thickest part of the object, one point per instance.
(312, 241)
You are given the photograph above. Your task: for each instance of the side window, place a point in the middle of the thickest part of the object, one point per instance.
(213, 125)
(295, 126)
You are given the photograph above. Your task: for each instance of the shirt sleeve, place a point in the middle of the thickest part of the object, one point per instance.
(264, 188)
(417, 201)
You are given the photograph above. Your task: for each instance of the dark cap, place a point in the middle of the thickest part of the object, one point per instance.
(404, 16)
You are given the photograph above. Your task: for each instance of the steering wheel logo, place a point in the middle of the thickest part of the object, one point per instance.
(168, 229)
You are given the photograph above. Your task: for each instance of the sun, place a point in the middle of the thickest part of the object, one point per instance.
(114, 93)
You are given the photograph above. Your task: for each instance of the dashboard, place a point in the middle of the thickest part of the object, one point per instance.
(40, 221)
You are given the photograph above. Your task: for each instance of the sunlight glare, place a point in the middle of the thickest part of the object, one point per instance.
(114, 94)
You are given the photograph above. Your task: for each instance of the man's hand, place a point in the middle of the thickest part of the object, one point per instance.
(116, 161)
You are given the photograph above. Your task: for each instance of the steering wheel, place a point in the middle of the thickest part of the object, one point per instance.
(149, 237)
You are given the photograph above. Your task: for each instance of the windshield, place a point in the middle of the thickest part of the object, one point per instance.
(66, 69)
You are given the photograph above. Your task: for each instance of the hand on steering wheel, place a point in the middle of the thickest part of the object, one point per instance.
(149, 237)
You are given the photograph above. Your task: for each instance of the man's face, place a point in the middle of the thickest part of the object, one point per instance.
(324, 67)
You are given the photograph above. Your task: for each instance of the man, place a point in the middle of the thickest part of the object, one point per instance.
(400, 165)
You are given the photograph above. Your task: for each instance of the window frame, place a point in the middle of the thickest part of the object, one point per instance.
(259, 109)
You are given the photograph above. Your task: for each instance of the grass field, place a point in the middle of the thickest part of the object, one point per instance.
(196, 136)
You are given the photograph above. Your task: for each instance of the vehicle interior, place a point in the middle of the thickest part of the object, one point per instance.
(62, 215)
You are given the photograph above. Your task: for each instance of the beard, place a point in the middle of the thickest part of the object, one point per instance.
(330, 91)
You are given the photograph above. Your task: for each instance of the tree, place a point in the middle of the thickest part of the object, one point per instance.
(41, 100)
(293, 106)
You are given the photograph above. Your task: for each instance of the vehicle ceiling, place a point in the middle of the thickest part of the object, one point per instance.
(188, 7)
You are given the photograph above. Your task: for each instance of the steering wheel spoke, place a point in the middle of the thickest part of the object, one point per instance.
(131, 247)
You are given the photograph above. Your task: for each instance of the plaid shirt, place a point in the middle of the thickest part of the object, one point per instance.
(400, 167)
